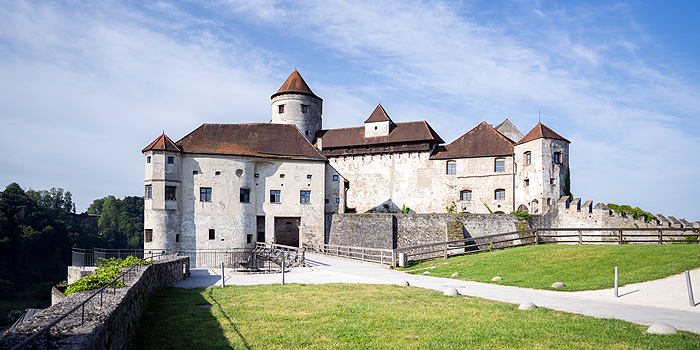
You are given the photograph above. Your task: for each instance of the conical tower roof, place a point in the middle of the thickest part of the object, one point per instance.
(379, 115)
(295, 84)
(162, 143)
(540, 131)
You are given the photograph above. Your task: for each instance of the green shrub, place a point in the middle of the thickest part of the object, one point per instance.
(636, 213)
(523, 215)
(107, 270)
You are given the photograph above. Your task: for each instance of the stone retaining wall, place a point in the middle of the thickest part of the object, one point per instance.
(109, 326)
(392, 231)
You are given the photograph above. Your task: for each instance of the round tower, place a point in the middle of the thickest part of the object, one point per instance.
(295, 103)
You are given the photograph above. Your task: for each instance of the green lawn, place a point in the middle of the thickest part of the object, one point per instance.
(580, 267)
(356, 316)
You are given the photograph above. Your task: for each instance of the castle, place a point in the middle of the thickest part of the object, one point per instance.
(230, 185)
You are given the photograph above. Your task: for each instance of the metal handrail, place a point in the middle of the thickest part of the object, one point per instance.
(47, 329)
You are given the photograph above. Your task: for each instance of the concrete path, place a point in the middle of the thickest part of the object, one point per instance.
(661, 301)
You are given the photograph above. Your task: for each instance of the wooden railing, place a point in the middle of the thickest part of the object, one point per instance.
(372, 255)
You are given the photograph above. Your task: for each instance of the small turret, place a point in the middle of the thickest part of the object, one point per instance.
(295, 103)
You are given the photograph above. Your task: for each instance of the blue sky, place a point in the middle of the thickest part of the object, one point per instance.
(84, 86)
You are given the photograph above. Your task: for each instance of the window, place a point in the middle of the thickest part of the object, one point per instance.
(171, 160)
(148, 235)
(256, 176)
(217, 173)
(335, 177)
(465, 195)
(549, 201)
(212, 233)
(528, 158)
(205, 194)
(177, 237)
(281, 176)
(280, 109)
(328, 201)
(249, 238)
(304, 196)
(149, 191)
(451, 167)
(275, 196)
(556, 158)
(305, 109)
(148, 159)
(308, 176)
(170, 193)
(526, 182)
(551, 181)
(245, 195)
(337, 200)
(500, 194)
(500, 166)
(195, 172)
(261, 237)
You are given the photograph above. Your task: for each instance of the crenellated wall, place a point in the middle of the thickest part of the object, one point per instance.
(574, 213)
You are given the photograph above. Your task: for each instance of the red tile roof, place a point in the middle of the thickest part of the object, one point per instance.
(401, 133)
(162, 143)
(482, 141)
(540, 131)
(379, 115)
(295, 84)
(257, 140)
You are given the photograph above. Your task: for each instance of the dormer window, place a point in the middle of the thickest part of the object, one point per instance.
(280, 109)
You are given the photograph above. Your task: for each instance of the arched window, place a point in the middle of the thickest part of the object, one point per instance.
(527, 158)
(465, 195)
(500, 194)
(535, 206)
(451, 167)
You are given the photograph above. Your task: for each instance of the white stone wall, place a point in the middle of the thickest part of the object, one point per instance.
(335, 191)
(546, 178)
(412, 179)
(232, 220)
(377, 129)
(307, 123)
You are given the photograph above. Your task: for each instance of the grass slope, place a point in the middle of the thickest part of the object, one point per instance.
(580, 267)
(344, 316)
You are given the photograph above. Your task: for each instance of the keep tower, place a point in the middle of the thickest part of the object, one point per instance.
(295, 103)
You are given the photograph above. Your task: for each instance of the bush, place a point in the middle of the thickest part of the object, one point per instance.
(107, 271)
(7, 290)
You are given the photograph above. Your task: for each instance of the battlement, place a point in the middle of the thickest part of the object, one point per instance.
(569, 212)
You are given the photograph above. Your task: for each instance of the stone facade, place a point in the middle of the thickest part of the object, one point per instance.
(391, 231)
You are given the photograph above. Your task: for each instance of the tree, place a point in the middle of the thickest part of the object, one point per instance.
(567, 183)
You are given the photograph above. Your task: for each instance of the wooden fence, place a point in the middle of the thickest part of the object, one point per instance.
(613, 236)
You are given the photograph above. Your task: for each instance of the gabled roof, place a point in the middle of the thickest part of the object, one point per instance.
(509, 130)
(409, 132)
(540, 131)
(162, 143)
(482, 141)
(257, 140)
(379, 115)
(295, 84)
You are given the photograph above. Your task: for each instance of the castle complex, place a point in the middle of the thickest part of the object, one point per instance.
(230, 185)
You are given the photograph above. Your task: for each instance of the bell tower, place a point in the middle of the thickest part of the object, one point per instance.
(295, 103)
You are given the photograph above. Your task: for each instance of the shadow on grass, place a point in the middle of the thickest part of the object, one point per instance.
(230, 321)
(177, 318)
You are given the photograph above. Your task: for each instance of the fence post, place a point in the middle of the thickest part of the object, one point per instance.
(616, 284)
(223, 278)
(445, 250)
(690, 289)
(537, 237)
(580, 237)
(661, 235)
(393, 258)
(283, 268)
(619, 235)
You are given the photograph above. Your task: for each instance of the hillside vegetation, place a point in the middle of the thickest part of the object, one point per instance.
(580, 267)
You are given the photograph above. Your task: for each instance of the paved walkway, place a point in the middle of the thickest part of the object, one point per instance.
(662, 301)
